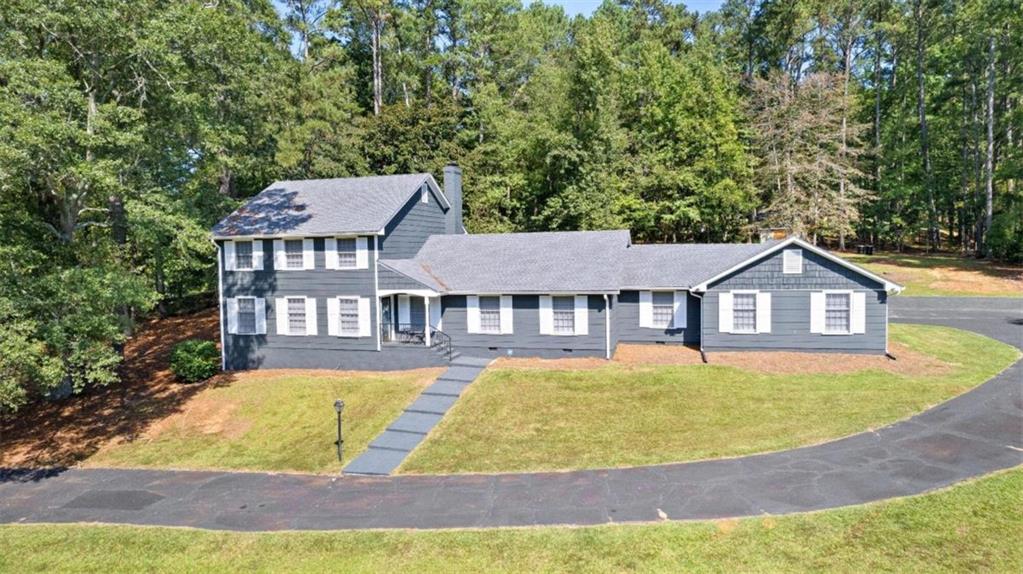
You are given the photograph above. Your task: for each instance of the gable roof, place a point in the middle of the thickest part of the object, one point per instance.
(889, 286)
(547, 262)
(323, 207)
(681, 265)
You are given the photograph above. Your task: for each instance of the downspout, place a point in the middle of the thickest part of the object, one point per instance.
(220, 306)
(703, 355)
(376, 284)
(607, 327)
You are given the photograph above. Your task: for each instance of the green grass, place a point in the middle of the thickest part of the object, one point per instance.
(944, 275)
(273, 422)
(973, 527)
(529, 419)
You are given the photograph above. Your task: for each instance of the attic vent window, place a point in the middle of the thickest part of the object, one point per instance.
(792, 261)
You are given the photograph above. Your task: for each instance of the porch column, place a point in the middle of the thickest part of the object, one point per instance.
(426, 318)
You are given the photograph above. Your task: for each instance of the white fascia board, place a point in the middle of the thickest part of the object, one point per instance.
(292, 235)
(889, 286)
(413, 292)
(535, 292)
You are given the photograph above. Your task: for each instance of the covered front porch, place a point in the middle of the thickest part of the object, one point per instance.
(412, 317)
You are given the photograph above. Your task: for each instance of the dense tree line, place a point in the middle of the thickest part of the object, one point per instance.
(131, 126)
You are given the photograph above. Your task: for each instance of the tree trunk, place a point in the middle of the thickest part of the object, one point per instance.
(845, 116)
(378, 84)
(925, 151)
(989, 161)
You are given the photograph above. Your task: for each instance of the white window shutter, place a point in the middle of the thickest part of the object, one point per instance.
(646, 309)
(333, 317)
(435, 313)
(230, 260)
(425, 194)
(582, 315)
(257, 256)
(763, 312)
(232, 316)
(308, 254)
(281, 314)
(507, 317)
(792, 261)
(725, 318)
(280, 260)
(404, 311)
(361, 253)
(681, 316)
(260, 305)
(817, 312)
(858, 313)
(310, 316)
(364, 317)
(472, 314)
(330, 253)
(546, 315)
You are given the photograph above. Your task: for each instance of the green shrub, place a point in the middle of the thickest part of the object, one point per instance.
(195, 360)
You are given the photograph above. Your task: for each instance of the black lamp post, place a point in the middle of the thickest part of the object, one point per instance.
(339, 406)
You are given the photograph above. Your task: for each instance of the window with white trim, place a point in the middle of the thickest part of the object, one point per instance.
(294, 256)
(564, 315)
(348, 309)
(837, 313)
(347, 253)
(663, 307)
(744, 312)
(490, 314)
(296, 315)
(243, 255)
(246, 315)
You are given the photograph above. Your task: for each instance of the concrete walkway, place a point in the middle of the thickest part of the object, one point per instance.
(387, 451)
(971, 435)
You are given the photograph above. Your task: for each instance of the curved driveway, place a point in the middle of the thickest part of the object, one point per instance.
(970, 435)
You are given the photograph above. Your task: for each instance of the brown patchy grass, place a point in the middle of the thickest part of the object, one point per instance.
(909, 361)
(945, 275)
(65, 432)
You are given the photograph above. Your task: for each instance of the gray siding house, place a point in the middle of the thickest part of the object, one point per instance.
(379, 273)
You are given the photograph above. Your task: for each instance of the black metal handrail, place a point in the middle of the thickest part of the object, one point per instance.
(411, 334)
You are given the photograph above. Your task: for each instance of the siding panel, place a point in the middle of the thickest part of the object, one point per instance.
(409, 230)
(626, 322)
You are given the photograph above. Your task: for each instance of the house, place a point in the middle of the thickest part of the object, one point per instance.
(379, 273)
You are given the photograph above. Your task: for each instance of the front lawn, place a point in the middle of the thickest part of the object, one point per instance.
(270, 420)
(523, 418)
(973, 527)
(945, 275)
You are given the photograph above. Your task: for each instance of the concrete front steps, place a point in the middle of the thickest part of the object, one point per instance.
(390, 448)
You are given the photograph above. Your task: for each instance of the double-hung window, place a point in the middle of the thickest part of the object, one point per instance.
(564, 315)
(246, 315)
(744, 313)
(243, 255)
(663, 308)
(348, 308)
(490, 314)
(296, 315)
(836, 313)
(346, 253)
(294, 257)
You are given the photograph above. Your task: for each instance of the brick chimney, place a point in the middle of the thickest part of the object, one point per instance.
(453, 191)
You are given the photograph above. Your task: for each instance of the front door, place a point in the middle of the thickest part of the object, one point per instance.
(386, 320)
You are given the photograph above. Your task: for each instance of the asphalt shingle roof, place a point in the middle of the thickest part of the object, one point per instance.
(322, 206)
(684, 264)
(568, 261)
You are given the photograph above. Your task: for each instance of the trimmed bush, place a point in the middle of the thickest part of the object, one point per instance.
(195, 360)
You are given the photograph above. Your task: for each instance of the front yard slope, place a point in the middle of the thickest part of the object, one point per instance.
(536, 415)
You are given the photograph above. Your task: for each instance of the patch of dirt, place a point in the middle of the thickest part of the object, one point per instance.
(909, 362)
(64, 432)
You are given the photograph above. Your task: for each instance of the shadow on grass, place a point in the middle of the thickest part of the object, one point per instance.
(62, 433)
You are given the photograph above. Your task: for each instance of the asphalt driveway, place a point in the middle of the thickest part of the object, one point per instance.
(971, 435)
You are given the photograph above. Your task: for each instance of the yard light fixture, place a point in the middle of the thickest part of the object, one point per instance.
(339, 406)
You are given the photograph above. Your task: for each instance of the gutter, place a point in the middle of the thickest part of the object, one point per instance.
(220, 307)
(703, 355)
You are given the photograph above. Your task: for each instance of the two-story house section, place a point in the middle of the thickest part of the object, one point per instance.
(299, 281)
